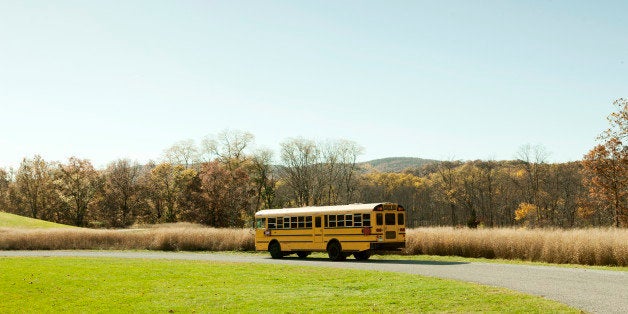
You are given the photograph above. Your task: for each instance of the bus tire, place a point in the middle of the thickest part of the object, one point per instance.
(303, 254)
(334, 250)
(362, 255)
(275, 249)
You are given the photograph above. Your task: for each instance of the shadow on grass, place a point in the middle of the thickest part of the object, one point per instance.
(375, 261)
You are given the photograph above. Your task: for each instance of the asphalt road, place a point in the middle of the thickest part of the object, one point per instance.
(595, 291)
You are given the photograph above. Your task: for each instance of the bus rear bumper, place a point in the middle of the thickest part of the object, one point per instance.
(387, 246)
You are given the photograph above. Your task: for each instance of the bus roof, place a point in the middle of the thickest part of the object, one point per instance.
(313, 210)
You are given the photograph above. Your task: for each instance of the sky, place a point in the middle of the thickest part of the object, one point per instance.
(466, 80)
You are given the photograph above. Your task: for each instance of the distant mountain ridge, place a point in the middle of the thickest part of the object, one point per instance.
(395, 164)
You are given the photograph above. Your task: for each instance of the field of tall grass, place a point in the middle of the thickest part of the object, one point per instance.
(577, 246)
(179, 237)
(595, 246)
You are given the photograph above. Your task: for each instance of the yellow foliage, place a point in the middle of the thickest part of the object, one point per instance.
(524, 210)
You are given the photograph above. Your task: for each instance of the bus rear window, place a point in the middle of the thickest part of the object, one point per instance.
(400, 219)
(390, 219)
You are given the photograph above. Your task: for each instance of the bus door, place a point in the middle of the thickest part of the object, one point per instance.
(318, 229)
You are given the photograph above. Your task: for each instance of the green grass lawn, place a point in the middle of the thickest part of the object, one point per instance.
(15, 221)
(123, 285)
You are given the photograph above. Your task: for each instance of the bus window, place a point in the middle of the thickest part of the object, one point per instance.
(294, 223)
(308, 222)
(301, 220)
(349, 220)
(341, 220)
(379, 219)
(357, 220)
(400, 219)
(332, 221)
(271, 223)
(317, 222)
(260, 223)
(279, 222)
(366, 220)
(390, 219)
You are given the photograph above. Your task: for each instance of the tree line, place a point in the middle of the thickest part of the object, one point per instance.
(223, 181)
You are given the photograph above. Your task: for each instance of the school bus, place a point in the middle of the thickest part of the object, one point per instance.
(358, 229)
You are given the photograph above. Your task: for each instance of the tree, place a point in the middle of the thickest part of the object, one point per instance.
(4, 190)
(226, 196)
(182, 153)
(229, 147)
(33, 192)
(121, 202)
(263, 178)
(607, 167)
(300, 157)
(168, 186)
(77, 184)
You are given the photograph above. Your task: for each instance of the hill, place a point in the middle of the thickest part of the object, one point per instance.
(395, 164)
(16, 221)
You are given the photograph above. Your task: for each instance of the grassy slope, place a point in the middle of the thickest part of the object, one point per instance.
(15, 221)
(120, 285)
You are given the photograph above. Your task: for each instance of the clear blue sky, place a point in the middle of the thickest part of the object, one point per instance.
(433, 79)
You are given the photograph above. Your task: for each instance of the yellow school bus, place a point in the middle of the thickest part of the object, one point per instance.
(358, 229)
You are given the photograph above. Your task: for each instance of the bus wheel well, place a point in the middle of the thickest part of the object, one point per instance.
(334, 249)
(275, 249)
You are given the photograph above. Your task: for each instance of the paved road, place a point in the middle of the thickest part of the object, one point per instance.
(595, 291)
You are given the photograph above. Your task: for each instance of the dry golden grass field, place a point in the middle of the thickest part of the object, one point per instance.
(577, 246)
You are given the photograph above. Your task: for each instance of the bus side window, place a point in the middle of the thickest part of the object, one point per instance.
(326, 221)
(400, 219)
(341, 220)
(317, 222)
(260, 223)
(379, 219)
(271, 223)
(366, 220)
(301, 222)
(279, 222)
(294, 223)
(357, 220)
(332, 221)
(349, 220)
(308, 221)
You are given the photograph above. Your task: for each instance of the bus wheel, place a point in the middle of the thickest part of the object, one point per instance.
(302, 254)
(335, 251)
(275, 250)
(363, 255)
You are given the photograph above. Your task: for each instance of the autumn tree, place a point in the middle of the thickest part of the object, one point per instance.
(167, 189)
(120, 200)
(607, 167)
(77, 183)
(33, 193)
(225, 194)
(263, 178)
(4, 189)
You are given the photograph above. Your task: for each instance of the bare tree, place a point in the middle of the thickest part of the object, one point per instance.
(229, 146)
(182, 153)
(299, 157)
